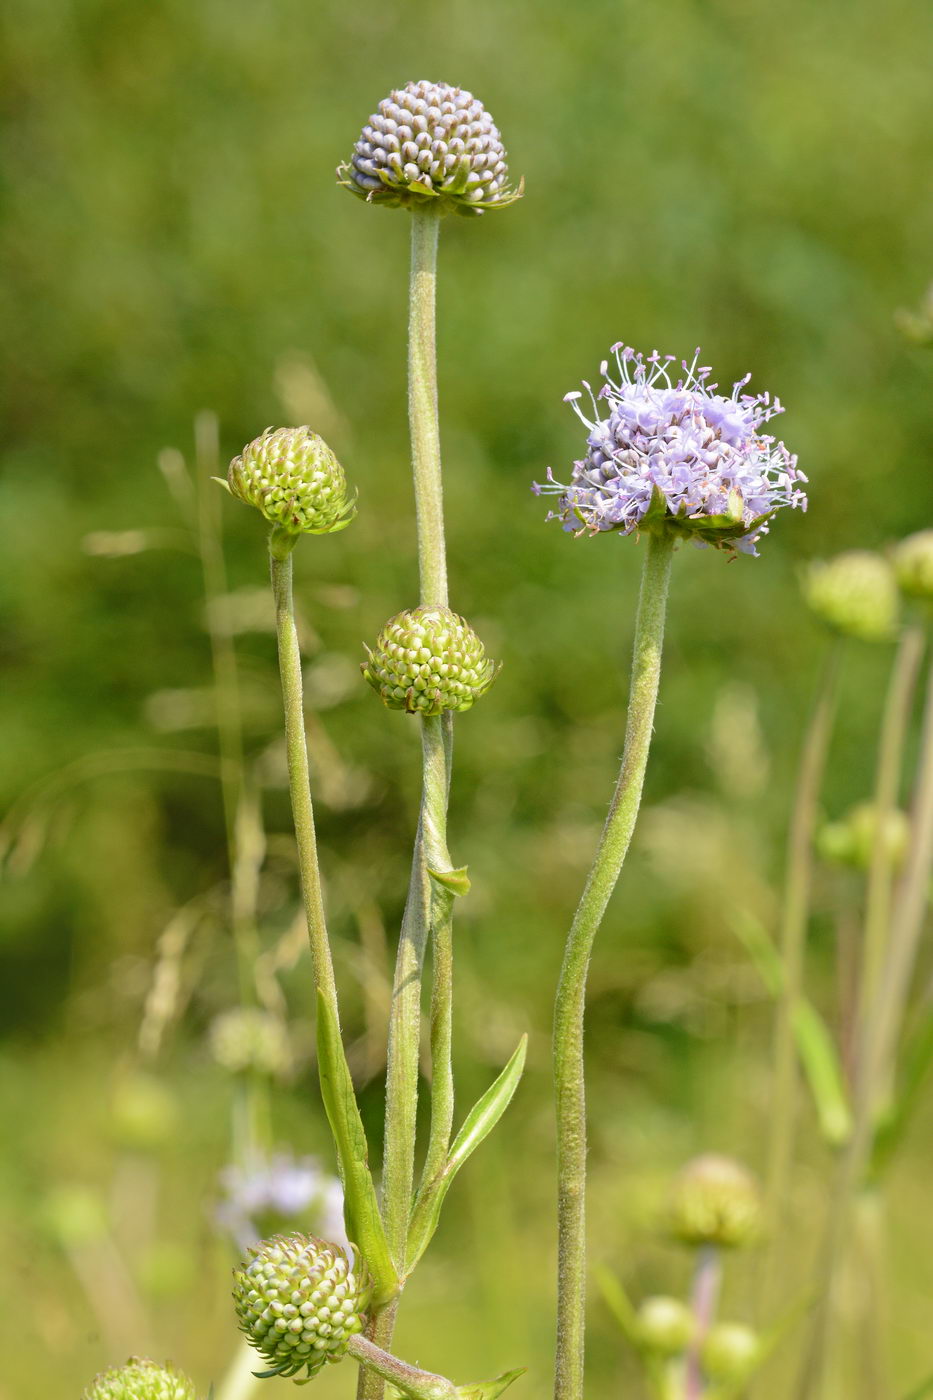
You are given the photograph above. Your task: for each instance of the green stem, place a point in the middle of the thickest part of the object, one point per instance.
(434, 834)
(380, 1326)
(299, 782)
(405, 1013)
(890, 756)
(793, 932)
(571, 992)
(704, 1298)
(419, 1385)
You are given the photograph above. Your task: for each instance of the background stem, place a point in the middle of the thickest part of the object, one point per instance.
(571, 992)
(704, 1298)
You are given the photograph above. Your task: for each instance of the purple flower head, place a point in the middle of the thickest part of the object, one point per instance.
(676, 455)
(279, 1193)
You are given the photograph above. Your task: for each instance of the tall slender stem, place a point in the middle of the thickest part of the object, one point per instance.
(410, 1380)
(571, 992)
(434, 836)
(793, 931)
(405, 1013)
(704, 1299)
(299, 781)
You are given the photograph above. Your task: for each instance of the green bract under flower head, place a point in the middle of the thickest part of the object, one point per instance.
(299, 1301)
(291, 475)
(714, 1201)
(430, 145)
(854, 594)
(141, 1380)
(428, 661)
(913, 565)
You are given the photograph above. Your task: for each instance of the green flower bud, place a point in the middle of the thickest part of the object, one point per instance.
(141, 1380)
(428, 661)
(430, 145)
(730, 1352)
(714, 1201)
(246, 1038)
(291, 475)
(855, 594)
(913, 565)
(665, 1326)
(852, 840)
(299, 1301)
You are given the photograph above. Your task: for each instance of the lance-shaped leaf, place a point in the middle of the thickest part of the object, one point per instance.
(490, 1390)
(479, 1122)
(361, 1207)
(456, 882)
(815, 1047)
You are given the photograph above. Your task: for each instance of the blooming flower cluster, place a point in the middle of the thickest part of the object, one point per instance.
(676, 454)
(277, 1194)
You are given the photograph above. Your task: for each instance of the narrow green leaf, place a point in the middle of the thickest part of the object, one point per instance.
(815, 1047)
(477, 1125)
(455, 881)
(490, 1390)
(918, 1061)
(361, 1207)
(619, 1304)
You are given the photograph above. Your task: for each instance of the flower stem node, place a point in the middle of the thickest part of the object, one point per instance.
(730, 1352)
(913, 565)
(665, 1326)
(430, 146)
(854, 594)
(675, 456)
(428, 661)
(299, 1301)
(714, 1203)
(141, 1380)
(291, 475)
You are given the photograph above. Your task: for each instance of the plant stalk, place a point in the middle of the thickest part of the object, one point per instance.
(412, 1382)
(704, 1298)
(571, 992)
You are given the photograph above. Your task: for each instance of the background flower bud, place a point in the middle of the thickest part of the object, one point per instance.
(730, 1352)
(913, 565)
(430, 145)
(852, 840)
(141, 1380)
(291, 475)
(665, 1326)
(299, 1300)
(714, 1201)
(247, 1038)
(854, 594)
(427, 661)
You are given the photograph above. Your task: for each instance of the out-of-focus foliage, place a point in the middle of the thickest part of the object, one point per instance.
(745, 176)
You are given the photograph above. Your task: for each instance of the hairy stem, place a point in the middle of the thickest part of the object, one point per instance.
(422, 410)
(434, 835)
(419, 1385)
(571, 992)
(299, 783)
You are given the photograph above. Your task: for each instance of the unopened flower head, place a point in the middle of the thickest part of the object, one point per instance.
(141, 1380)
(299, 1300)
(430, 145)
(730, 1352)
(854, 594)
(714, 1202)
(428, 661)
(913, 565)
(277, 1194)
(672, 453)
(852, 840)
(665, 1326)
(291, 475)
(246, 1038)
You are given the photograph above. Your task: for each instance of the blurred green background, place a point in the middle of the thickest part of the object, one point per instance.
(747, 176)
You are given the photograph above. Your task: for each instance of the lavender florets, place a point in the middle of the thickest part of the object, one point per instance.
(677, 455)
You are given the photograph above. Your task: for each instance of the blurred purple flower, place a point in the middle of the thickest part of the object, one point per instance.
(676, 453)
(278, 1194)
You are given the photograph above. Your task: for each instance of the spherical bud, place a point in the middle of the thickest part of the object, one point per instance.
(430, 145)
(852, 840)
(730, 1352)
(141, 1380)
(913, 565)
(714, 1201)
(291, 475)
(246, 1038)
(427, 661)
(665, 1326)
(299, 1301)
(855, 594)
